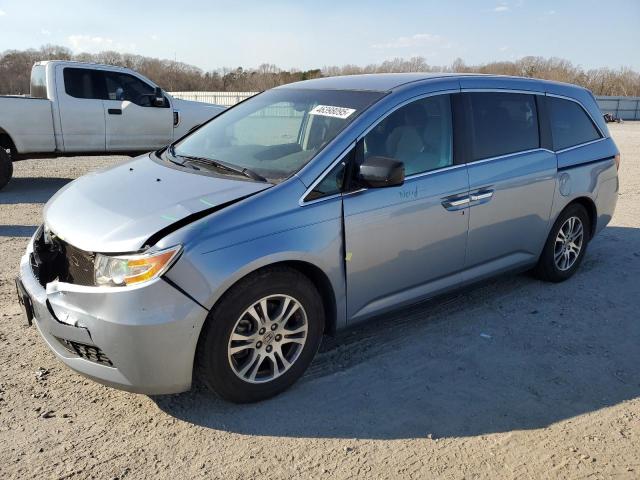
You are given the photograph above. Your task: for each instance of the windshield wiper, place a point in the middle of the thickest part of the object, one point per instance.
(172, 157)
(223, 166)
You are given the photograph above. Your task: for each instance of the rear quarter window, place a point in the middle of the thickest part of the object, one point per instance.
(502, 123)
(38, 82)
(570, 124)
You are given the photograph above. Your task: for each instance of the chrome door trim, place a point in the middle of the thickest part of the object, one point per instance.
(499, 157)
(501, 90)
(436, 170)
(581, 145)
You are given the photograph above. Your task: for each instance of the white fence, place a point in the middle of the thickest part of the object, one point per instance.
(627, 108)
(219, 98)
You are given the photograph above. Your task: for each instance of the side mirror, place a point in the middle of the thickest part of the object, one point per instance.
(378, 172)
(158, 98)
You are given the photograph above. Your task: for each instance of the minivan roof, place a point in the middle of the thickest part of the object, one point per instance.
(385, 82)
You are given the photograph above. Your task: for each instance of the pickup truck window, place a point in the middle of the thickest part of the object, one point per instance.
(121, 86)
(38, 81)
(83, 83)
(104, 85)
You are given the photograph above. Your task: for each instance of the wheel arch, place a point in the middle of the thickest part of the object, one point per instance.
(590, 206)
(7, 142)
(323, 284)
(314, 273)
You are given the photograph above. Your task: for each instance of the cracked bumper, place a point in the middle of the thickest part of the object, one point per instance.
(148, 332)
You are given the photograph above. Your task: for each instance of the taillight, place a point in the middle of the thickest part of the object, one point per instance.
(617, 158)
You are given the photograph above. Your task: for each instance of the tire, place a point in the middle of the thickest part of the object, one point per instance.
(550, 265)
(228, 374)
(6, 168)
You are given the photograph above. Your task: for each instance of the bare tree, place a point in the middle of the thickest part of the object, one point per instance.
(15, 68)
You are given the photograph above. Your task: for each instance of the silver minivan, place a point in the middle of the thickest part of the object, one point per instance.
(308, 208)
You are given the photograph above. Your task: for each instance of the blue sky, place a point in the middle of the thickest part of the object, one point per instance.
(305, 34)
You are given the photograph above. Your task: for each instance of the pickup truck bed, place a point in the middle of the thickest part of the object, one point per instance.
(31, 121)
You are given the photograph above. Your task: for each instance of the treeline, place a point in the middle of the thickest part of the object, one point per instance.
(15, 69)
(601, 81)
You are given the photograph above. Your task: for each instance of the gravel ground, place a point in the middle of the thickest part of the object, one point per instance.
(513, 379)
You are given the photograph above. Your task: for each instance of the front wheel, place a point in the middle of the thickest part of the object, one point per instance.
(6, 168)
(566, 245)
(262, 335)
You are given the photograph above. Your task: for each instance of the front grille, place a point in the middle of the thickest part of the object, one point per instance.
(79, 265)
(62, 261)
(88, 352)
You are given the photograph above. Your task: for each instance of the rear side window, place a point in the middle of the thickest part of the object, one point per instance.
(39, 81)
(83, 83)
(570, 124)
(502, 123)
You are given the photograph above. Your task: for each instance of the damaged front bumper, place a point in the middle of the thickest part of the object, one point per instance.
(140, 339)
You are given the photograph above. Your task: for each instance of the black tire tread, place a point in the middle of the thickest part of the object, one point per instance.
(6, 168)
(545, 269)
(212, 373)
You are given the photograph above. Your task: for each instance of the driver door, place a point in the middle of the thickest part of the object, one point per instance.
(133, 123)
(408, 242)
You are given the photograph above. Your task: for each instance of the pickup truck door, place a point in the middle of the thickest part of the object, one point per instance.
(79, 98)
(133, 123)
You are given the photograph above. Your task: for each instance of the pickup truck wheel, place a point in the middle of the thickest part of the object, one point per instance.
(6, 168)
(261, 336)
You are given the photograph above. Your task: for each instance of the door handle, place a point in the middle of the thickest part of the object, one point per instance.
(456, 202)
(115, 111)
(481, 196)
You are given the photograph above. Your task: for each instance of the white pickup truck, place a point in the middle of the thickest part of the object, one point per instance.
(90, 109)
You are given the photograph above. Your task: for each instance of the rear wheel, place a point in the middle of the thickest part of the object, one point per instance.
(566, 245)
(6, 168)
(262, 335)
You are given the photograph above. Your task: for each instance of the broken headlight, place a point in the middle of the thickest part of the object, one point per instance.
(121, 270)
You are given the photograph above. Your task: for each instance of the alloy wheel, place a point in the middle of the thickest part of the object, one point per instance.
(267, 339)
(568, 243)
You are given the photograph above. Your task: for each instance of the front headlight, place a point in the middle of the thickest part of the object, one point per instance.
(124, 270)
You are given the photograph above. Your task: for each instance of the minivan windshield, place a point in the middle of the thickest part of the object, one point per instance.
(275, 133)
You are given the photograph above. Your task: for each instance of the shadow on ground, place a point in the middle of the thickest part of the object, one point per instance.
(512, 354)
(31, 189)
(25, 231)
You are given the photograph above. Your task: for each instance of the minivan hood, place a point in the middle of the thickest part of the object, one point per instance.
(118, 209)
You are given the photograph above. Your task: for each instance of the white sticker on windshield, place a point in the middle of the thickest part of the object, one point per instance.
(329, 111)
